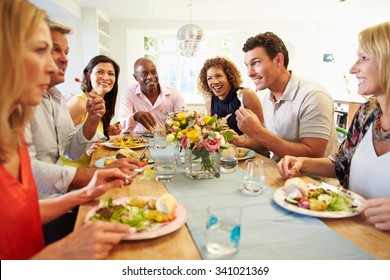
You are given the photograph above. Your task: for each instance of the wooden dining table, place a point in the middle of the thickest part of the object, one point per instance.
(179, 245)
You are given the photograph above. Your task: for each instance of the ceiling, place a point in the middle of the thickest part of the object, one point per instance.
(234, 10)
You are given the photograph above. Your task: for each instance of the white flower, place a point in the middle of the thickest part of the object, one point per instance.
(170, 138)
(169, 122)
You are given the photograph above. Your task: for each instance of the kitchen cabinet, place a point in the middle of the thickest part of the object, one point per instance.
(96, 33)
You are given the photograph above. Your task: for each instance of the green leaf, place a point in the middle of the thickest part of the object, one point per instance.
(136, 220)
(228, 135)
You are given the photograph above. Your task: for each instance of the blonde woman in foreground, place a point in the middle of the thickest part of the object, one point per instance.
(25, 49)
(362, 163)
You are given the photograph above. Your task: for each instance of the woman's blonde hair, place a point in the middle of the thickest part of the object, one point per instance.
(375, 41)
(19, 19)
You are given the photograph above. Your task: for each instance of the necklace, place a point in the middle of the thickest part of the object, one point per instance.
(379, 133)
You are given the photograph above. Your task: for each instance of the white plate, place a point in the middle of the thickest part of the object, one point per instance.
(280, 194)
(166, 228)
(100, 162)
(110, 145)
(250, 154)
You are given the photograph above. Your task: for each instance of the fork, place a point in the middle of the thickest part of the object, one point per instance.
(135, 173)
(141, 156)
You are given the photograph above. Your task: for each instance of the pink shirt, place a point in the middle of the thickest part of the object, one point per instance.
(133, 100)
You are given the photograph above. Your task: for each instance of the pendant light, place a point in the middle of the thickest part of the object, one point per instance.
(190, 37)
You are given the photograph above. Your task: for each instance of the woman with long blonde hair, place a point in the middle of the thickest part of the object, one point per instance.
(25, 49)
(361, 162)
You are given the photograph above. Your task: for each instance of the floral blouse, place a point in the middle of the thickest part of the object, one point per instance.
(362, 120)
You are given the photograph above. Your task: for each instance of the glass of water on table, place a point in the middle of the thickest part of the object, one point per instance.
(229, 160)
(164, 167)
(223, 231)
(253, 177)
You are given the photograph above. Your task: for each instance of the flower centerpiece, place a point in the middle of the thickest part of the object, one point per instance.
(202, 138)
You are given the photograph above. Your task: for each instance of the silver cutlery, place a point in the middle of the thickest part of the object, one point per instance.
(141, 156)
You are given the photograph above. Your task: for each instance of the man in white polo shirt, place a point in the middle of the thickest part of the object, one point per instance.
(298, 113)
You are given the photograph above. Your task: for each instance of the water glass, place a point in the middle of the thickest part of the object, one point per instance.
(253, 177)
(229, 160)
(180, 153)
(223, 231)
(164, 168)
(160, 141)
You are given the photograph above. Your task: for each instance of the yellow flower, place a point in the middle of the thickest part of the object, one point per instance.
(197, 127)
(206, 119)
(176, 123)
(192, 135)
(181, 116)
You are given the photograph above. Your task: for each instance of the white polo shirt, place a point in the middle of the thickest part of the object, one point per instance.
(305, 110)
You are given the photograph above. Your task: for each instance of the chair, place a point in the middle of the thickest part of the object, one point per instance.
(342, 130)
(341, 134)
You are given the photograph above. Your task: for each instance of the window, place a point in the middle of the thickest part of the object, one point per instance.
(179, 71)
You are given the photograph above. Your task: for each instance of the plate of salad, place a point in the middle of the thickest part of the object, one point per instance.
(323, 201)
(140, 213)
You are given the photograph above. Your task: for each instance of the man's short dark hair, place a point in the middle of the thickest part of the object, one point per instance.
(271, 43)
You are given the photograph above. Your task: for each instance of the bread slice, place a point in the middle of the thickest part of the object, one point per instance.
(294, 184)
(126, 153)
(166, 204)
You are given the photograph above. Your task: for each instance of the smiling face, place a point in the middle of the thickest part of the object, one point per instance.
(103, 77)
(39, 66)
(60, 55)
(218, 82)
(366, 69)
(261, 69)
(146, 75)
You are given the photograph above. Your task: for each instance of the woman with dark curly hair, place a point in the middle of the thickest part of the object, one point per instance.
(220, 81)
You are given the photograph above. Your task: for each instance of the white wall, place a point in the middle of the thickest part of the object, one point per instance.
(306, 42)
(302, 40)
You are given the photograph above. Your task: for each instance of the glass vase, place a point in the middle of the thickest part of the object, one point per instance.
(179, 153)
(202, 164)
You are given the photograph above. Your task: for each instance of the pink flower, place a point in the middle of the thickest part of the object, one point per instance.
(184, 141)
(212, 145)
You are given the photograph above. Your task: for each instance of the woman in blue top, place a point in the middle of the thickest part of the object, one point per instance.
(220, 81)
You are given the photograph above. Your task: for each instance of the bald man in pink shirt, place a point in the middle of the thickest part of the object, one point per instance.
(145, 105)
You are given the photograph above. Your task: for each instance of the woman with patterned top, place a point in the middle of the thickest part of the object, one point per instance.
(361, 162)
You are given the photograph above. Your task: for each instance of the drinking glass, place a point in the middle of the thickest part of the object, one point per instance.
(164, 168)
(179, 153)
(160, 141)
(253, 177)
(228, 160)
(223, 230)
